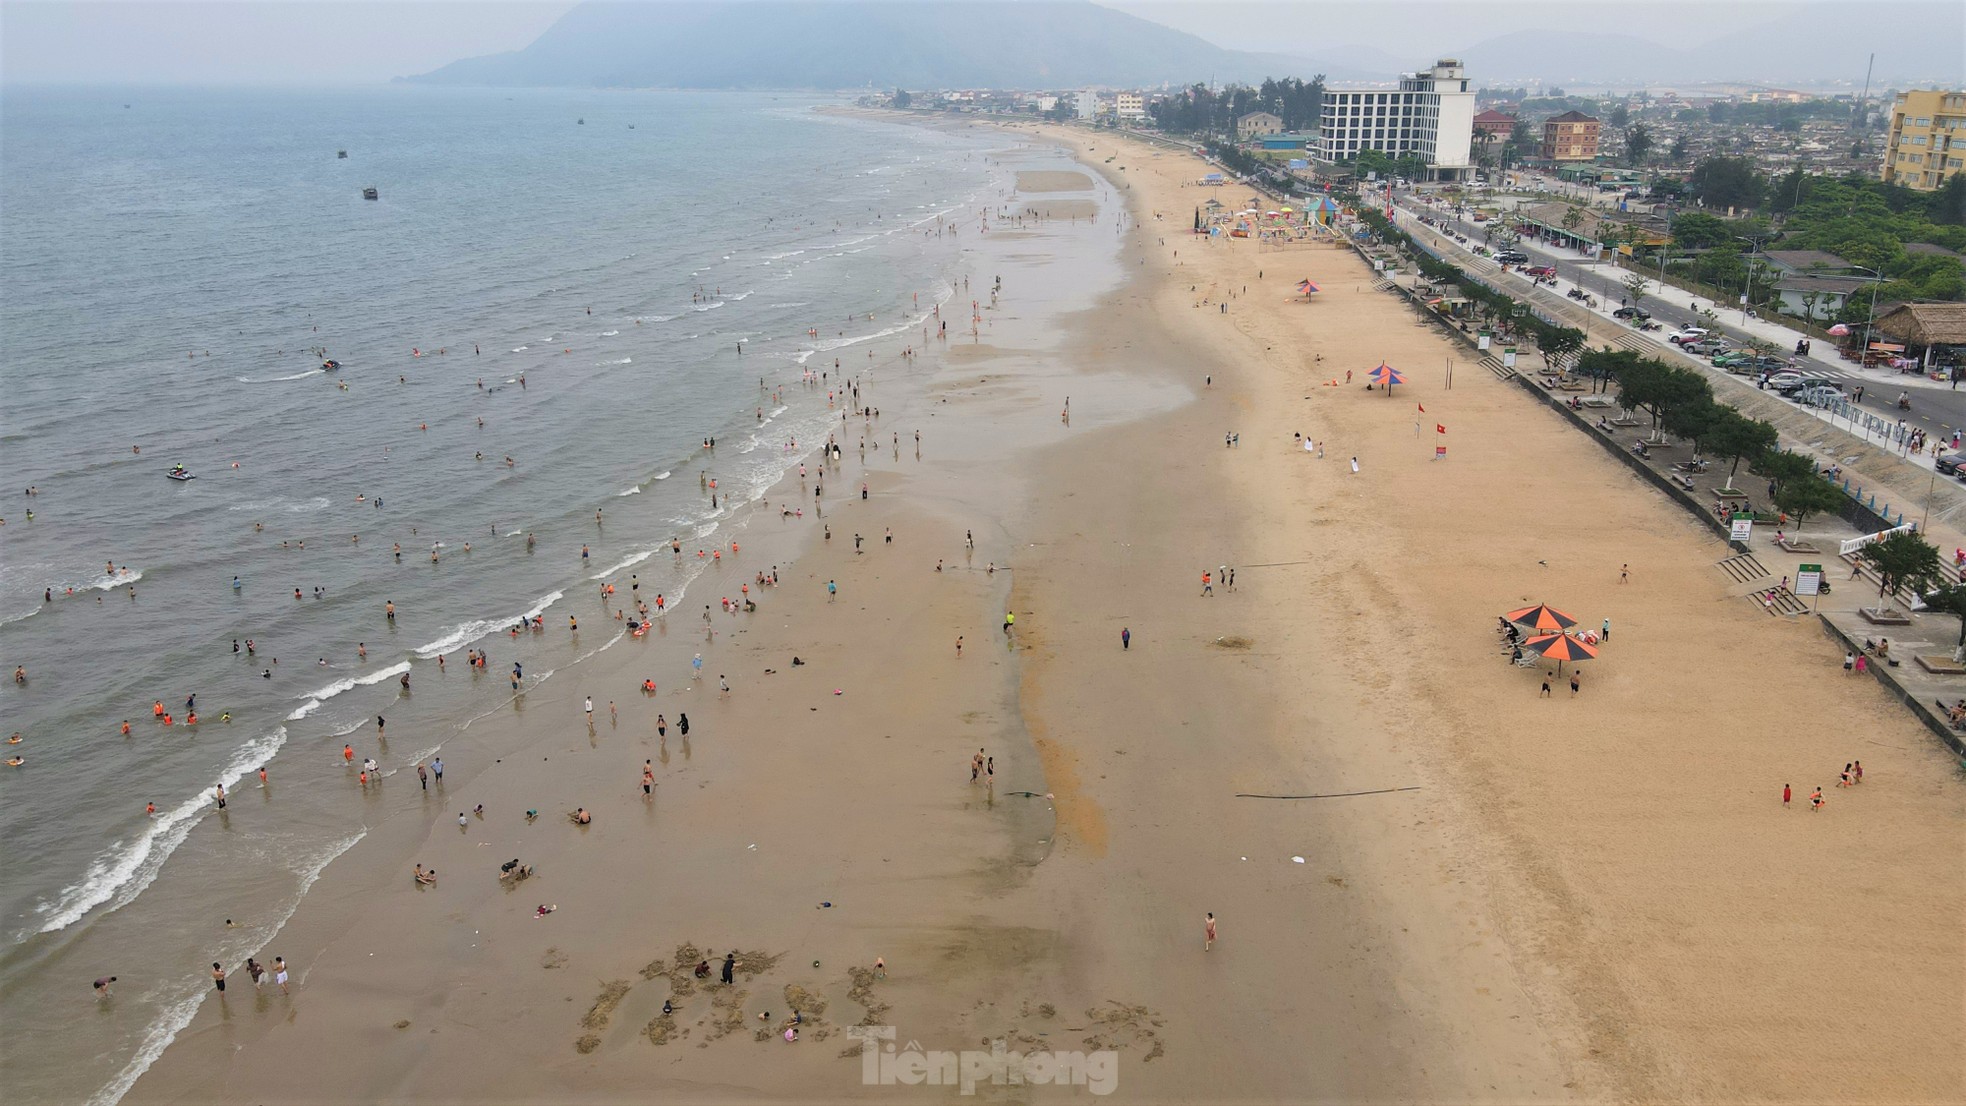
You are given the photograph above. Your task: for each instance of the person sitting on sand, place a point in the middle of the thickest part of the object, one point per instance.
(703, 969)
(426, 876)
(513, 870)
(581, 817)
(532, 815)
(544, 910)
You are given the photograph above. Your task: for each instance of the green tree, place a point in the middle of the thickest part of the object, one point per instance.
(1727, 182)
(1573, 217)
(1638, 143)
(1737, 438)
(901, 98)
(1807, 494)
(1557, 343)
(1370, 160)
(1620, 117)
(1783, 466)
(1676, 153)
(1903, 560)
(1636, 285)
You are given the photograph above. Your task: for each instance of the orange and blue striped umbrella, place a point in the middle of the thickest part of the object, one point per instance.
(1561, 647)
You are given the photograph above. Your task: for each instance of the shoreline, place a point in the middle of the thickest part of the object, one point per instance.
(1584, 899)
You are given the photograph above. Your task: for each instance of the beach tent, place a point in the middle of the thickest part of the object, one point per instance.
(1386, 376)
(1305, 287)
(1542, 616)
(1560, 648)
(1322, 208)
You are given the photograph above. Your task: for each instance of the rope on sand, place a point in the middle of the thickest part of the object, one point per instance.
(1334, 795)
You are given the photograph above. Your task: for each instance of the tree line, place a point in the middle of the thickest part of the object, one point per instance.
(1200, 109)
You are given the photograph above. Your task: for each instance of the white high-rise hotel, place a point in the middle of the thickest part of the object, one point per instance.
(1431, 115)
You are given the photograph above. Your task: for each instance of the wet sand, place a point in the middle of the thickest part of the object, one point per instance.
(1500, 898)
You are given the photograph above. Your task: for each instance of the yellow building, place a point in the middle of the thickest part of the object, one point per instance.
(1927, 140)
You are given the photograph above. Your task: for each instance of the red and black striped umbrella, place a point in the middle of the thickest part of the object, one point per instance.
(1542, 616)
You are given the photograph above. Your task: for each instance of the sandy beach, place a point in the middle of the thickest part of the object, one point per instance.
(1431, 883)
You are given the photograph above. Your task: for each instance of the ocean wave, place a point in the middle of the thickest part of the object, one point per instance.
(464, 633)
(629, 563)
(609, 333)
(707, 306)
(317, 503)
(277, 379)
(520, 349)
(125, 861)
(663, 475)
(621, 361)
(315, 699)
(636, 490)
(744, 294)
(178, 1014)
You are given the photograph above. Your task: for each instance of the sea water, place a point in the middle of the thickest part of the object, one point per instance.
(558, 278)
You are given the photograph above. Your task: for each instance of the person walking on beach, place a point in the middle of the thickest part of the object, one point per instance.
(730, 967)
(280, 972)
(1207, 586)
(959, 646)
(1208, 932)
(1575, 681)
(423, 775)
(1816, 800)
(1126, 638)
(832, 591)
(1858, 772)
(1605, 631)
(218, 977)
(590, 712)
(1546, 686)
(437, 770)
(682, 724)
(1009, 620)
(723, 687)
(102, 986)
(1786, 794)
(976, 766)
(648, 779)
(1624, 573)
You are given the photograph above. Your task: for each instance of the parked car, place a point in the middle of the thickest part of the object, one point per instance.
(1512, 257)
(1541, 271)
(1768, 363)
(1785, 380)
(1710, 346)
(1730, 358)
(1636, 314)
(1687, 334)
(1947, 463)
(1806, 383)
(1821, 395)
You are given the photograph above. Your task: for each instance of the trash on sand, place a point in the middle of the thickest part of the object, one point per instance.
(1296, 860)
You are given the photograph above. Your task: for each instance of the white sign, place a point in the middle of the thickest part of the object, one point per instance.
(1481, 343)
(1808, 583)
(1741, 528)
(1508, 358)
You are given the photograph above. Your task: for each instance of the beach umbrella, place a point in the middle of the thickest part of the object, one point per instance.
(1542, 616)
(1386, 376)
(1560, 648)
(1305, 287)
(1839, 331)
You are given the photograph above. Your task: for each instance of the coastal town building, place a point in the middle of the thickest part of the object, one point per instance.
(1257, 124)
(1087, 105)
(1130, 105)
(1571, 136)
(1431, 116)
(1492, 123)
(1926, 142)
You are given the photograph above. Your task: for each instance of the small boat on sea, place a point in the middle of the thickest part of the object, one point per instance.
(341, 153)
(179, 472)
(580, 122)
(330, 365)
(371, 194)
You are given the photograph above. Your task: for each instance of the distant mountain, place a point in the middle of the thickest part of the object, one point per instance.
(859, 44)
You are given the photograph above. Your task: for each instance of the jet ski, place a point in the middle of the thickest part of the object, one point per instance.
(330, 365)
(179, 472)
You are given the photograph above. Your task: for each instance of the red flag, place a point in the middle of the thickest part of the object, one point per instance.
(1439, 429)
(1421, 406)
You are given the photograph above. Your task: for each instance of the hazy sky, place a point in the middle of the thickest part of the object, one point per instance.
(284, 42)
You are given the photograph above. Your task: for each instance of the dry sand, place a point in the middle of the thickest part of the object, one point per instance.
(1596, 898)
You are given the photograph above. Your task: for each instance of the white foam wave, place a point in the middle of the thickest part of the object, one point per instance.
(622, 361)
(707, 306)
(628, 491)
(629, 563)
(179, 1013)
(743, 295)
(353, 682)
(520, 349)
(609, 333)
(318, 503)
(277, 379)
(464, 633)
(663, 475)
(125, 861)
